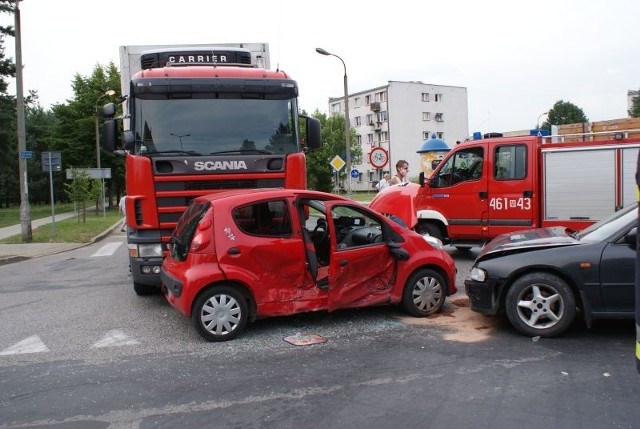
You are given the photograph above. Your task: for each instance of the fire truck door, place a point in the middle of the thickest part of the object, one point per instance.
(511, 199)
(459, 192)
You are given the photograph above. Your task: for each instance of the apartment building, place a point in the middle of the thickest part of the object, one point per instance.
(396, 119)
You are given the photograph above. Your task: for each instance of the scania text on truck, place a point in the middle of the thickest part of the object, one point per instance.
(486, 187)
(198, 120)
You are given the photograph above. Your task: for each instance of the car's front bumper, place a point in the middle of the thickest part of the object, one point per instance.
(484, 297)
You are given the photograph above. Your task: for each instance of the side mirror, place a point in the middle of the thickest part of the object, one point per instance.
(397, 251)
(313, 133)
(109, 110)
(109, 135)
(129, 140)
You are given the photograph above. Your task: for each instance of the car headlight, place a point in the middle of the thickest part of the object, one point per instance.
(477, 274)
(150, 250)
(435, 242)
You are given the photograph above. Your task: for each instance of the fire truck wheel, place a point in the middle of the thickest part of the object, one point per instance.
(144, 290)
(424, 293)
(220, 313)
(430, 228)
(540, 304)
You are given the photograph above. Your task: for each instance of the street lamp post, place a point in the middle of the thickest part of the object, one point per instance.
(538, 123)
(108, 93)
(347, 124)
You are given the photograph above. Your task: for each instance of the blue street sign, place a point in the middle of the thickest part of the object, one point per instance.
(26, 154)
(355, 174)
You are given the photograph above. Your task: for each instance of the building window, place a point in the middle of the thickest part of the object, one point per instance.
(358, 139)
(358, 120)
(439, 117)
(384, 136)
(440, 135)
(369, 119)
(335, 108)
(370, 138)
(426, 116)
(438, 98)
(383, 96)
(356, 102)
(383, 116)
(367, 100)
(426, 135)
(425, 96)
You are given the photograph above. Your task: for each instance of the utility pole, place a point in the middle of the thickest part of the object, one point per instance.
(25, 208)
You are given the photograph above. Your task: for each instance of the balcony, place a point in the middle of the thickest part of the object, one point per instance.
(375, 106)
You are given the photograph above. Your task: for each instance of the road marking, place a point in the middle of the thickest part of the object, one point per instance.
(108, 249)
(33, 344)
(115, 338)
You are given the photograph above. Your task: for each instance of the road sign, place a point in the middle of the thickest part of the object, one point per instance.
(337, 163)
(26, 154)
(51, 161)
(379, 157)
(92, 173)
(355, 174)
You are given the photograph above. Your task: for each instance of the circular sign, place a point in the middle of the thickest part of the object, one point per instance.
(378, 157)
(355, 174)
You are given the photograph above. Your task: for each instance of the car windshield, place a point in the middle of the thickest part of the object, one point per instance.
(607, 227)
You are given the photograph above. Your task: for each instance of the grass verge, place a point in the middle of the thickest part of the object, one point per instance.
(72, 230)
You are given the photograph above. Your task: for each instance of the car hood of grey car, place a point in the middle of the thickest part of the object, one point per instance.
(527, 240)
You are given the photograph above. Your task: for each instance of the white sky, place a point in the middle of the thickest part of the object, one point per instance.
(515, 58)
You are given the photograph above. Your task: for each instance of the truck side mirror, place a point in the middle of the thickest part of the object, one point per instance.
(129, 140)
(109, 135)
(109, 110)
(313, 133)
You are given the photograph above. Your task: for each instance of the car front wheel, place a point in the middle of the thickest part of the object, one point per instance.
(220, 313)
(424, 293)
(540, 304)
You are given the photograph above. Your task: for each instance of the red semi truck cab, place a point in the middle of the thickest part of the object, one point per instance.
(486, 187)
(200, 120)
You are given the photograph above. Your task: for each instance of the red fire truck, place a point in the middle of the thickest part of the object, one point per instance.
(494, 185)
(197, 120)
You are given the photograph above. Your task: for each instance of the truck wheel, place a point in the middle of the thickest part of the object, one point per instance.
(424, 293)
(540, 304)
(220, 313)
(143, 290)
(430, 228)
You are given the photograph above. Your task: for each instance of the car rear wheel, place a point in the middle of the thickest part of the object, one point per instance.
(220, 313)
(424, 293)
(540, 304)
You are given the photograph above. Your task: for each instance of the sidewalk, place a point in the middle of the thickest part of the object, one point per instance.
(10, 253)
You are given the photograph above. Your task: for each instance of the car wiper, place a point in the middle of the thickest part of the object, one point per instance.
(265, 152)
(186, 152)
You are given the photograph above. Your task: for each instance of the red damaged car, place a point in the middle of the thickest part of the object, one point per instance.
(242, 255)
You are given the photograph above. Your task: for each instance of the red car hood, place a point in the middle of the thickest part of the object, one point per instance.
(398, 200)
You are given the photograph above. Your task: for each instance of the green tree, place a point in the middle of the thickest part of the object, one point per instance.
(319, 171)
(634, 112)
(74, 133)
(564, 112)
(9, 186)
(82, 189)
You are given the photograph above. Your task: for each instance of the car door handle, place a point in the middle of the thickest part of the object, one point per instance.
(344, 263)
(527, 194)
(233, 251)
(483, 195)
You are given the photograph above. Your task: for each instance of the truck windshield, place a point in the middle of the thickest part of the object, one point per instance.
(212, 126)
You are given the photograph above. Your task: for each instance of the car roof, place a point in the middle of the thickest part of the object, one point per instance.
(239, 196)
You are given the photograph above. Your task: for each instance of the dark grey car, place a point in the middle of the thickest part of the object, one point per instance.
(542, 277)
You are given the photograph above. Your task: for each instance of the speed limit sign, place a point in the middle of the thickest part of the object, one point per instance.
(378, 157)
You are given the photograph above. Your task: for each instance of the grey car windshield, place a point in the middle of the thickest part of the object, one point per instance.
(607, 227)
(210, 126)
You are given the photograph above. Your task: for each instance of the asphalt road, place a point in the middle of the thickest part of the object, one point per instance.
(95, 355)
